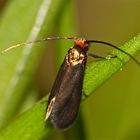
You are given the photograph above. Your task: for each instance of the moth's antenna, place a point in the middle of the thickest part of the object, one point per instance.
(113, 46)
(36, 41)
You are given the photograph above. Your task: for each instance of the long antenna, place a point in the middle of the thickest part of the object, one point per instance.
(70, 38)
(113, 46)
(36, 41)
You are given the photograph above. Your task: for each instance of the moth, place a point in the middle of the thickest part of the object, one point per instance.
(64, 100)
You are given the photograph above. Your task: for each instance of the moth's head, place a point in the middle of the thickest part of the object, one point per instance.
(82, 43)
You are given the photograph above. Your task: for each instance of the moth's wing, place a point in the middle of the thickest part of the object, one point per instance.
(67, 93)
(58, 81)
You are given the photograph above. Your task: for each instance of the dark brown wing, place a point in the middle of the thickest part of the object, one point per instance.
(67, 91)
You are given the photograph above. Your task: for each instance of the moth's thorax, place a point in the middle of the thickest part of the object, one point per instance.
(75, 57)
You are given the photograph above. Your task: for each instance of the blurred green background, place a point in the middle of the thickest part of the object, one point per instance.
(113, 111)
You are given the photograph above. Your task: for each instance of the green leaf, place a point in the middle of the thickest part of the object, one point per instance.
(30, 125)
(32, 128)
